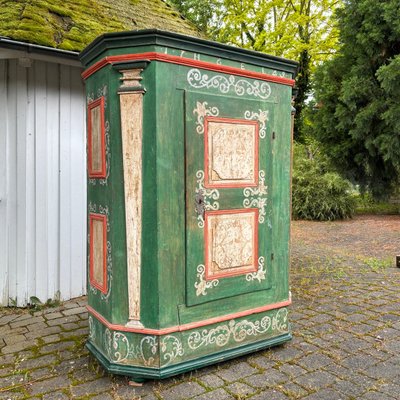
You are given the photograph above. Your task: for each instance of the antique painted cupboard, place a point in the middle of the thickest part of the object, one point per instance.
(189, 145)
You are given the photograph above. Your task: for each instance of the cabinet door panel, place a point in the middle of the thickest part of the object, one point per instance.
(228, 203)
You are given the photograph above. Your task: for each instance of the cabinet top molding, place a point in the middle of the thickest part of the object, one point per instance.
(180, 49)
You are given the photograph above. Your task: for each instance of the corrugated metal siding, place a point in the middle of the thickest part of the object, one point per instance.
(42, 182)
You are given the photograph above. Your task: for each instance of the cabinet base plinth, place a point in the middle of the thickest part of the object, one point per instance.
(141, 374)
(144, 356)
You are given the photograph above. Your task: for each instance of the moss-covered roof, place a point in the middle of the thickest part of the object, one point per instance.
(73, 24)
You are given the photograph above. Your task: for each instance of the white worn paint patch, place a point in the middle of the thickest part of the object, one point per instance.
(131, 127)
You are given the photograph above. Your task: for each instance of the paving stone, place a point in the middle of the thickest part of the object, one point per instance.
(313, 362)
(325, 394)
(12, 339)
(70, 304)
(261, 362)
(15, 348)
(11, 380)
(239, 389)
(79, 332)
(23, 316)
(292, 370)
(219, 394)
(349, 389)
(5, 319)
(308, 348)
(63, 321)
(70, 326)
(266, 379)
(211, 380)
(10, 395)
(316, 380)
(26, 322)
(6, 360)
(55, 396)
(84, 316)
(49, 385)
(286, 354)
(53, 315)
(58, 346)
(84, 374)
(38, 362)
(51, 338)
(40, 373)
(6, 371)
(74, 311)
(354, 345)
(182, 391)
(376, 396)
(36, 327)
(236, 372)
(359, 361)
(49, 330)
(124, 391)
(102, 396)
(383, 371)
(293, 390)
(92, 387)
(270, 395)
(391, 389)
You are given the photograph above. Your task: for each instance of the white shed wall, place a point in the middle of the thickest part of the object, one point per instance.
(42, 182)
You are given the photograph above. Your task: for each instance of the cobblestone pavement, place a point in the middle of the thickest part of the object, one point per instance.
(345, 321)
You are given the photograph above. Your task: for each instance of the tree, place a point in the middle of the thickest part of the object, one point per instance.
(303, 30)
(358, 96)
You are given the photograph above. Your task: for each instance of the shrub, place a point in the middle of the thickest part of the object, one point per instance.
(318, 192)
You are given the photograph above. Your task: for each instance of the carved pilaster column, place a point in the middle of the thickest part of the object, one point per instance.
(131, 104)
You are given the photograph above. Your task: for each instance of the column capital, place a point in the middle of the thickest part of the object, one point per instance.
(131, 76)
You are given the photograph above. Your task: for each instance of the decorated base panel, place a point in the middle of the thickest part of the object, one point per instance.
(159, 356)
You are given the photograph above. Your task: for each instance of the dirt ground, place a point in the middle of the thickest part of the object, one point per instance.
(364, 235)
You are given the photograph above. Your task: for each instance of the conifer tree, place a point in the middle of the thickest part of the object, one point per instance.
(358, 96)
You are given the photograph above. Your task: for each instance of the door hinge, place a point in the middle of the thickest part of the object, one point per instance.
(272, 256)
(273, 135)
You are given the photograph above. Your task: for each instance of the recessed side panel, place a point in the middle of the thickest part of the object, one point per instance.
(96, 139)
(98, 251)
(231, 152)
(231, 242)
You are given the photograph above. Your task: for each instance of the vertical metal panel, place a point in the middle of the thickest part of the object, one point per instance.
(78, 182)
(65, 179)
(3, 185)
(42, 182)
(41, 167)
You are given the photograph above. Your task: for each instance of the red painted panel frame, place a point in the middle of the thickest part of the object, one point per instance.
(93, 173)
(188, 326)
(93, 282)
(207, 184)
(253, 211)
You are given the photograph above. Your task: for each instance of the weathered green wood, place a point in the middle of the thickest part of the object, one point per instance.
(172, 242)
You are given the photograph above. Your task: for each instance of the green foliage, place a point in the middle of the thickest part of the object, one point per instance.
(366, 204)
(358, 93)
(303, 30)
(35, 304)
(318, 193)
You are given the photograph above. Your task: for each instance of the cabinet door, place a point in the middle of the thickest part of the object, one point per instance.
(228, 196)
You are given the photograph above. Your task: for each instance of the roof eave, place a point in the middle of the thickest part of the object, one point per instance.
(8, 43)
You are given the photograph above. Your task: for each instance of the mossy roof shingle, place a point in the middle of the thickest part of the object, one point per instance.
(73, 24)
